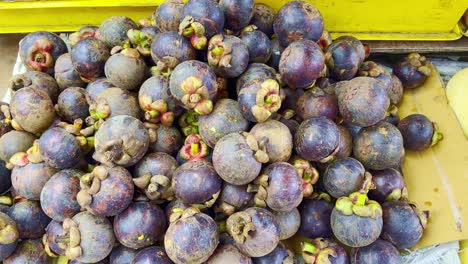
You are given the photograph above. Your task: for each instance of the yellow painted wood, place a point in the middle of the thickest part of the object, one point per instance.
(365, 19)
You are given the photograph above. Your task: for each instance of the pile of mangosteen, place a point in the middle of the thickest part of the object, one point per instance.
(210, 132)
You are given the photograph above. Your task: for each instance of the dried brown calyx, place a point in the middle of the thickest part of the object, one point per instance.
(308, 173)
(156, 187)
(318, 251)
(70, 239)
(239, 225)
(90, 184)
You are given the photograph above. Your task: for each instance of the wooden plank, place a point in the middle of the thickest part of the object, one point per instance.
(397, 47)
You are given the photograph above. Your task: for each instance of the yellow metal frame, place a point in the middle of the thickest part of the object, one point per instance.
(365, 19)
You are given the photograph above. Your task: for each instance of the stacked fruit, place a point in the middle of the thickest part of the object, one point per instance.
(208, 133)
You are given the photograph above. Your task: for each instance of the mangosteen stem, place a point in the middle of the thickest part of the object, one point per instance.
(62, 239)
(361, 199)
(217, 51)
(436, 137)
(6, 200)
(309, 248)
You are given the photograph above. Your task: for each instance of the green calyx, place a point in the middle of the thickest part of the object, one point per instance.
(259, 187)
(358, 204)
(318, 251)
(219, 52)
(437, 136)
(239, 225)
(193, 30)
(196, 95)
(268, 100)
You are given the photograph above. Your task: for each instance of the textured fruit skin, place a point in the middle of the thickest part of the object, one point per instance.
(288, 222)
(195, 182)
(342, 60)
(171, 44)
(258, 44)
(115, 194)
(278, 255)
(97, 237)
(385, 182)
(315, 102)
(315, 218)
(104, 261)
(59, 149)
(151, 255)
(301, 63)
(168, 15)
(353, 129)
(395, 93)
(362, 93)
(379, 147)
(122, 255)
(135, 144)
(276, 51)
(417, 131)
(157, 88)
(57, 48)
(113, 31)
(239, 56)
(206, 12)
(233, 149)
(37, 80)
(7, 249)
(402, 226)
(13, 142)
(263, 16)
(89, 56)
(237, 13)
(380, 251)
(298, 20)
(28, 251)
(58, 196)
(73, 104)
(361, 50)
(343, 177)
(225, 118)
(5, 178)
(169, 140)
(316, 138)
(353, 230)
(408, 74)
(226, 253)
(65, 73)
(158, 163)
(235, 195)
(53, 230)
(96, 87)
(284, 187)
(140, 219)
(125, 72)
(255, 71)
(120, 102)
(191, 239)
(29, 180)
(30, 219)
(345, 145)
(32, 109)
(279, 141)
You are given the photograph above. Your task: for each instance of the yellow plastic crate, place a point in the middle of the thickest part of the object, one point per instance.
(365, 19)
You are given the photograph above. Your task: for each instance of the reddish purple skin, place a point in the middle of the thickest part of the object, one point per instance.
(121, 102)
(169, 140)
(225, 118)
(196, 69)
(113, 31)
(13, 142)
(29, 180)
(298, 20)
(292, 97)
(385, 78)
(192, 239)
(352, 129)
(157, 87)
(263, 16)
(409, 75)
(115, 194)
(343, 177)
(341, 255)
(104, 261)
(315, 218)
(356, 44)
(30, 220)
(239, 60)
(28, 251)
(344, 61)
(345, 145)
(96, 87)
(228, 253)
(125, 72)
(301, 64)
(276, 51)
(402, 226)
(277, 137)
(122, 255)
(238, 13)
(73, 104)
(38, 80)
(140, 218)
(195, 182)
(278, 255)
(292, 125)
(316, 138)
(417, 131)
(288, 222)
(379, 147)
(168, 15)
(206, 12)
(247, 98)
(385, 182)
(315, 102)
(58, 197)
(176, 203)
(284, 187)
(380, 251)
(233, 149)
(255, 71)
(89, 56)
(353, 230)
(59, 148)
(59, 47)
(362, 101)
(53, 230)
(395, 93)
(235, 195)
(158, 163)
(5, 178)
(151, 255)
(7, 250)
(65, 73)
(258, 44)
(171, 44)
